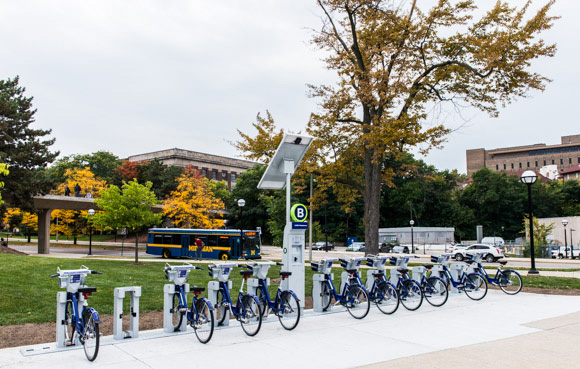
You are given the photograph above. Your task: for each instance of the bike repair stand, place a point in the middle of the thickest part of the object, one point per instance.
(324, 268)
(61, 325)
(119, 293)
(168, 292)
(221, 272)
(353, 263)
(260, 271)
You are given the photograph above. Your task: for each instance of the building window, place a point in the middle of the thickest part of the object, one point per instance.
(214, 175)
(528, 164)
(536, 163)
(224, 176)
(561, 161)
(497, 167)
(204, 172)
(552, 161)
(579, 160)
(504, 167)
(569, 160)
(512, 165)
(233, 177)
(544, 162)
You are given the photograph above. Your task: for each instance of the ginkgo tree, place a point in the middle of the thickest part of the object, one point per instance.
(193, 204)
(15, 217)
(4, 172)
(74, 222)
(396, 60)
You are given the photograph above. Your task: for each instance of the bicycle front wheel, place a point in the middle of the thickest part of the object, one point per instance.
(411, 294)
(203, 323)
(177, 313)
(251, 318)
(326, 296)
(510, 282)
(289, 313)
(262, 302)
(387, 298)
(435, 291)
(475, 286)
(221, 309)
(91, 338)
(358, 304)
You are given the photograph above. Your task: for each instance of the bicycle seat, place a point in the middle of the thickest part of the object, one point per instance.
(378, 274)
(428, 266)
(351, 271)
(502, 262)
(403, 270)
(285, 274)
(246, 273)
(87, 289)
(469, 261)
(196, 289)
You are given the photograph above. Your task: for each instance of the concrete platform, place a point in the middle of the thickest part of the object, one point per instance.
(500, 331)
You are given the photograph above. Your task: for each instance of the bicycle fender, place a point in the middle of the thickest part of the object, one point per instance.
(209, 304)
(94, 314)
(293, 294)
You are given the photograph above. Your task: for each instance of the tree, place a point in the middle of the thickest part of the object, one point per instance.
(163, 177)
(394, 62)
(4, 172)
(15, 217)
(129, 207)
(541, 233)
(193, 204)
(102, 163)
(73, 222)
(21, 147)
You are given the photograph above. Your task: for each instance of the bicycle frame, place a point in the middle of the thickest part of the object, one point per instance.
(192, 315)
(342, 298)
(273, 305)
(235, 309)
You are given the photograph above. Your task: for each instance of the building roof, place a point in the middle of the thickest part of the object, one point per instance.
(573, 169)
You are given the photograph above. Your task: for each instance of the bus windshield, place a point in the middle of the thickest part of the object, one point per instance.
(251, 242)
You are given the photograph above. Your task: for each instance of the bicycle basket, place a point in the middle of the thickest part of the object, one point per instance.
(353, 263)
(325, 266)
(377, 262)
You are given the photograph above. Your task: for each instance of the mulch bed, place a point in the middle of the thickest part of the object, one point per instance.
(8, 250)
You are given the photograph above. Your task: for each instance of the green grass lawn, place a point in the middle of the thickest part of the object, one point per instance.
(28, 295)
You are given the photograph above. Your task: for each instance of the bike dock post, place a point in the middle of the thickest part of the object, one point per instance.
(168, 292)
(119, 294)
(319, 279)
(456, 269)
(213, 288)
(418, 273)
(61, 324)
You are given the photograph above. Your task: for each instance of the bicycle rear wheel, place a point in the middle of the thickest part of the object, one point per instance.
(358, 304)
(203, 324)
(289, 315)
(251, 320)
(510, 282)
(262, 302)
(91, 338)
(387, 298)
(410, 294)
(177, 313)
(221, 309)
(435, 291)
(475, 286)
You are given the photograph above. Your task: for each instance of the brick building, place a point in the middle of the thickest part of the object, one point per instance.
(520, 158)
(219, 168)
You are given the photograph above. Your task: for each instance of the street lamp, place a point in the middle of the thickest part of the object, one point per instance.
(241, 204)
(565, 223)
(412, 240)
(91, 213)
(529, 177)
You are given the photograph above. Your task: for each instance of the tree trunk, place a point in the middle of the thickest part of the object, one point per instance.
(136, 247)
(372, 201)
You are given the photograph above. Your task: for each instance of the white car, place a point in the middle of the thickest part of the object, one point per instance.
(490, 253)
(356, 246)
(560, 253)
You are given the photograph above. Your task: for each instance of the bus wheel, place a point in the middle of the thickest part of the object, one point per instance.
(166, 254)
(224, 256)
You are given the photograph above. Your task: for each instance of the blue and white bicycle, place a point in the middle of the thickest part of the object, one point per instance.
(83, 324)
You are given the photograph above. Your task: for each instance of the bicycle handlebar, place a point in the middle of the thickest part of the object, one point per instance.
(54, 275)
(279, 263)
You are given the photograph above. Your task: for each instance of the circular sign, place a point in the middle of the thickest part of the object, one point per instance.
(298, 213)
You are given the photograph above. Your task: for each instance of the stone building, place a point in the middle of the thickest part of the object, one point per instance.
(531, 157)
(218, 168)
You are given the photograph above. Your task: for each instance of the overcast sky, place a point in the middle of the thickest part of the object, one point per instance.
(138, 76)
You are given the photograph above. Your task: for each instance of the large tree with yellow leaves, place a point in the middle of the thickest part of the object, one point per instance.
(193, 204)
(395, 60)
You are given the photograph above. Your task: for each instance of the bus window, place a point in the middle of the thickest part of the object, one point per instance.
(212, 240)
(176, 239)
(224, 241)
(158, 239)
(167, 239)
(251, 242)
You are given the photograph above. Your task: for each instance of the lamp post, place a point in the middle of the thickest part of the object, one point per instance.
(412, 240)
(529, 177)
(241, 204)
(565, 223)
(91, 213)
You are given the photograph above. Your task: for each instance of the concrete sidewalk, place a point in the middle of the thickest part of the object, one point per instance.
(540, 331)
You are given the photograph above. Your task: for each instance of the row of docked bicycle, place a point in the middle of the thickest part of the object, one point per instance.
(430, 282)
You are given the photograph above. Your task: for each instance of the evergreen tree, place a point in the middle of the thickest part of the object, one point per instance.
(21, 147)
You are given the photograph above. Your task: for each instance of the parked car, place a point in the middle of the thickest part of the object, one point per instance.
(560, 252)
(356, 246)
(320, 245)
(389, 247)
(457, 246)
(491, 253)
(401, 249)
(497, 241)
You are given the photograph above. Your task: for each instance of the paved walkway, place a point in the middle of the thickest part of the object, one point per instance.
(538, 331)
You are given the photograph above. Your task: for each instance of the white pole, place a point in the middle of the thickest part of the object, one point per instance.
(310, 223)
(288, 177)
